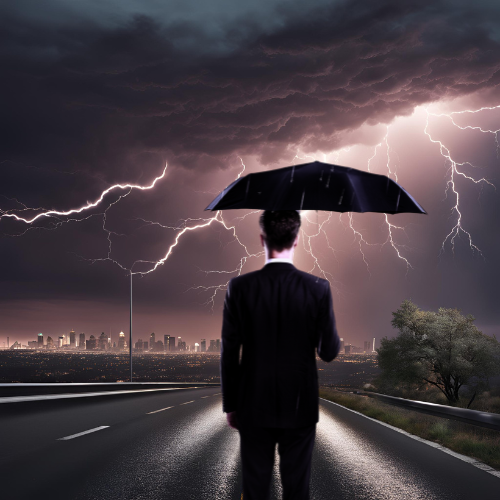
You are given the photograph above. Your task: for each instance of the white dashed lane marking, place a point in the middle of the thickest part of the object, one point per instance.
(73, 436)
(161, 409)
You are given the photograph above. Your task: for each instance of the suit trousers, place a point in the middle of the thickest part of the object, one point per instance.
(295, 448)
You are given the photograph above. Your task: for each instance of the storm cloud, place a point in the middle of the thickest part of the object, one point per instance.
(94, 95)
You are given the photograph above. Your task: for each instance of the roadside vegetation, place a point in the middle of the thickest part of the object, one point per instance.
(438, 357)
(477, 442)
(439, 351)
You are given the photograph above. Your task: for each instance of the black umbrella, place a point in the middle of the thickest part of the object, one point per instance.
(317, 186)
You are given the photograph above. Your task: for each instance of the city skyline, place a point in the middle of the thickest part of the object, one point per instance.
(104, 343)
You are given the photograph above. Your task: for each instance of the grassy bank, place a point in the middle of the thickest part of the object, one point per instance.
(476, 442)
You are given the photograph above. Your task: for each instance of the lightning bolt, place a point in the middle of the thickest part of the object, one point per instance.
(57, 217)
(470, 127)
(391, 228)
(83, 208)
(307, 244)
(358, 236)
(309, 237)
(303, 158)
(186, 226)
(454, 171)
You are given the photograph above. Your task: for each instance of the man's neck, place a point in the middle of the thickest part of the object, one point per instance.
(285, 254)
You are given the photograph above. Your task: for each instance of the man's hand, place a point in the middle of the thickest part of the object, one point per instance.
(232, 420)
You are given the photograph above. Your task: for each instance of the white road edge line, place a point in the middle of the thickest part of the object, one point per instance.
(187, 403)
(20, 399)
(156, 411)
(83, 433)
(472, 461)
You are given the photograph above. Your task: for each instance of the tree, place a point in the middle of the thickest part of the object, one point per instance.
(442, 349)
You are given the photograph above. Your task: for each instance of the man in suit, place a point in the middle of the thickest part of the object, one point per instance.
(278, 317)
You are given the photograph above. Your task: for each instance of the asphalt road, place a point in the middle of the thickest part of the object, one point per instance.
(176, 445)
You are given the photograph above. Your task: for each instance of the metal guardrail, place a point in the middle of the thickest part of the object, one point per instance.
(45, 389)
(474, 417)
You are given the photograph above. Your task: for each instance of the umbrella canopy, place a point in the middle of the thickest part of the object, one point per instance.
(317, 186)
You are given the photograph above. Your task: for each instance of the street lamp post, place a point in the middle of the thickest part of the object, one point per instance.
(130, 340)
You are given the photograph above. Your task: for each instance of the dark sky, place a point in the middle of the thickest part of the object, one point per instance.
(98, 93)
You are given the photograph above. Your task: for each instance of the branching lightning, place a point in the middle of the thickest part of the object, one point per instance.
(383, 144)
(83, 208)
(454, 171)
(84, 212)
(358, 236)
(470, 127)
(58, 217)
(307, 244)
(188, 225)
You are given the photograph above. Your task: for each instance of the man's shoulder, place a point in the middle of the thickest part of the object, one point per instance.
(313, 281)
(244, 278)
(309, 279)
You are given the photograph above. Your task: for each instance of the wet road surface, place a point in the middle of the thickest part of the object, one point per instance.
(176, 445)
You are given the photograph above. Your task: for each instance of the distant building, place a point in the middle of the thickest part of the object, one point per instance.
(181, 345)
(203, 345)
(60, 342)
(158, 346)
(72, 339)
(91, 343)
(50, 342)
(32, 344)
(171, 344)
(369, 346)
(166, 340)
(121, 342)
(40, 340)
(139, 345)
(102, 343)
(352, 349)
(211, 347)
(196, 347)
(81, 341)
(342, 346)
(145, 344)
(16, 345)
(152, 340)
(217, 345)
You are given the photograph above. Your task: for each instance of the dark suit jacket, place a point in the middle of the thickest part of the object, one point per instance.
(278, 316)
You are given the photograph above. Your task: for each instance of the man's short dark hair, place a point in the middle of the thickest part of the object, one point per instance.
(279, 228)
